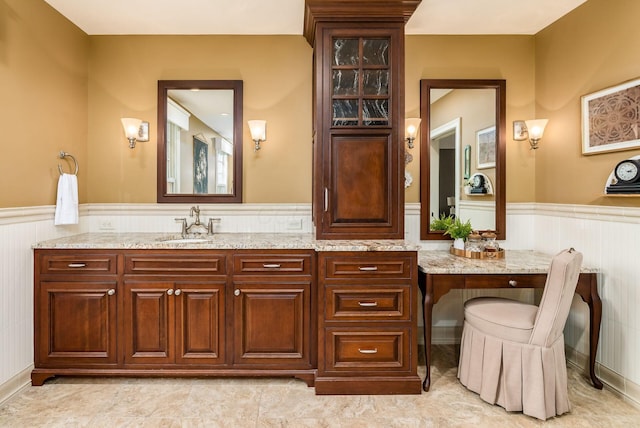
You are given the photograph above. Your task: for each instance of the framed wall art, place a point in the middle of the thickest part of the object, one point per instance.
(200, 166)
(611, 119)
(486, 147)
(467, 161)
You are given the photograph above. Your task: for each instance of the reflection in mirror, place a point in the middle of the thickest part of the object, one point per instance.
(199, 141)
(462, 154)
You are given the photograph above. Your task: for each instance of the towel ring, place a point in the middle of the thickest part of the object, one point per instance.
(63, 155)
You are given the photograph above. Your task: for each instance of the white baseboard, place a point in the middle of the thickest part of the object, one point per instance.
(21, 380)
(616, 383)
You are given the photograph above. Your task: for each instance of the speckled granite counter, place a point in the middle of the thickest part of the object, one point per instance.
(221, 241)
(514, 262)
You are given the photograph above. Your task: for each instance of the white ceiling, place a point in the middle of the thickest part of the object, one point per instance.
(96, 17)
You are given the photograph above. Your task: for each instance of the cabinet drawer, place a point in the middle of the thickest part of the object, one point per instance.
(292, 264)
(368, 302)
(78, 263)
(367, 349)
(369, 266)
(171, 264)
(505, 281)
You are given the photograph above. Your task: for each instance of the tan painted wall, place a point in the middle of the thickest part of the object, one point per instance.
(63, 90)
(478, 57)
(594, 47)
(123, 75)
(43, 101)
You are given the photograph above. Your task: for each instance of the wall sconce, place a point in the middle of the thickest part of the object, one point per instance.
(135, 130)
(529, 129)
(411, 130)
(258, 130)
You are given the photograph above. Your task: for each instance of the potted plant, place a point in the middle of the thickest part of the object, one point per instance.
(459, 232)
(442, 223)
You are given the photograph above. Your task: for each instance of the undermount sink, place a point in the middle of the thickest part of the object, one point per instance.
(184, 241)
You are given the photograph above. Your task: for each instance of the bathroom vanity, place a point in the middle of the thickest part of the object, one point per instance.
(340, 315)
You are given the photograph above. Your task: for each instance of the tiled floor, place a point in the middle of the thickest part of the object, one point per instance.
(118, 402)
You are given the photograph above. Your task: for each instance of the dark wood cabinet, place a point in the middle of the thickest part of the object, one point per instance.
(358, 117)
(367, 323)
(272, 309)
(178, 322)
(174, 313)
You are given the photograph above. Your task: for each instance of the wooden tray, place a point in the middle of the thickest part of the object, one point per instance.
(477, 254)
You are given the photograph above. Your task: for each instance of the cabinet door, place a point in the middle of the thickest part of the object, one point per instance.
(149, 322)
(359, 152)
(200, 315)
(76, 323)
(272, 323)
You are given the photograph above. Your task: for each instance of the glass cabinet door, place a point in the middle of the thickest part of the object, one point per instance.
(360, 81)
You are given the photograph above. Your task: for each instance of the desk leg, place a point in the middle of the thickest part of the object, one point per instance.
(587, 289)
(427, 301)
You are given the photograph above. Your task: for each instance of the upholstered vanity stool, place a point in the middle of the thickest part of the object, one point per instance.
(512, 353)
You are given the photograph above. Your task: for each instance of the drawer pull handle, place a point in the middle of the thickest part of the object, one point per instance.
(513, 282)
(77, 265)
(170, 291)
(368, 304)
(368, 351)
(111, 292)
(271, 266)
(368, 268)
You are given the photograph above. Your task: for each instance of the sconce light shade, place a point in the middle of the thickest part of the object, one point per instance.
(131, 129)
(412, 125)
(529, 129)
(258, 130)
(536, 128)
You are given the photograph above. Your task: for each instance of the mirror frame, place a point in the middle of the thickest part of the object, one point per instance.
(425, 143)
(163, 87)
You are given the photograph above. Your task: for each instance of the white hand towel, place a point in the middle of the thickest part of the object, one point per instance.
(67, 203)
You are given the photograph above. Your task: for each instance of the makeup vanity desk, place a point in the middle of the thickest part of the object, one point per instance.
(441, 272)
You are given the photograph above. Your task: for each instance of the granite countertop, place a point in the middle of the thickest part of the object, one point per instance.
(514, 261)
(221, 241)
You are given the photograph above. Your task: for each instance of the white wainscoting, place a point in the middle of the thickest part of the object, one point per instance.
(608, 237)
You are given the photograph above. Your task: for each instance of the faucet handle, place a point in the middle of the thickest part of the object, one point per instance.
(210, 226)
(183, 220)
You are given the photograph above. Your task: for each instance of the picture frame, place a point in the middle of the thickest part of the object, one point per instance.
(486, 147)
(467, 162)
(611, 119)
(143, 132)
(200, 166)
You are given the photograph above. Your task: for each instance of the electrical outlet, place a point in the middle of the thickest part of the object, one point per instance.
(294, 224)
(105, 225)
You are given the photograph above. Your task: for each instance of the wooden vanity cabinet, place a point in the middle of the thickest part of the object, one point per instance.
(272, 309)
(367, 333)
(174, 313)
(174, 308)
(75, 315)
(358, 107)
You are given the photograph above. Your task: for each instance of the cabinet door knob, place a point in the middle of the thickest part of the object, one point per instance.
(236, 292)
(111, 292)
(178, 292)
(513, 282)
(170, 291)
(368, 351)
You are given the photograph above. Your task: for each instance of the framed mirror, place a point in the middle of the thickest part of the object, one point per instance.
(200, 141)
(463, 154)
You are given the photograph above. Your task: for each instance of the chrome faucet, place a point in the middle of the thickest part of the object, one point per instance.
(196, 227)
